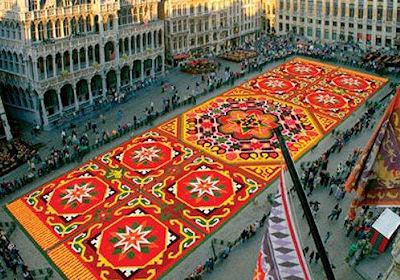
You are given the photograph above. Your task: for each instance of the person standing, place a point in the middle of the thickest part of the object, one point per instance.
(327, 236)
(311, 257)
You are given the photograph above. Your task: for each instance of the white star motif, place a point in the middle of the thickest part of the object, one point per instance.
(302, 69)
(147, 154)
(78, 193)
(204, 186)
(326, 99)
(133, 238)
(275, 84)
(350, 81)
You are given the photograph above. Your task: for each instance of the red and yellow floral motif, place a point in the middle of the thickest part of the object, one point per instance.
(138, 209)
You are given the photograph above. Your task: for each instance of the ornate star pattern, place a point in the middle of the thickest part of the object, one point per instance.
(275, 84)
(133, 238)
(302, 69)
(146, 154)
(78, 193)
(350, 82)
(326, 99)
(204, 186)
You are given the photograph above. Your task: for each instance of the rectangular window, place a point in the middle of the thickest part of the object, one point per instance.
(369, 15)
(343, 10)
(389, 14)
(351, 10)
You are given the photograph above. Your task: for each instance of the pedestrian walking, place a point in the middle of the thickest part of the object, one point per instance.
(327, 236)
(311, 257)
(305, 250)
(337, 214)
(316, 257)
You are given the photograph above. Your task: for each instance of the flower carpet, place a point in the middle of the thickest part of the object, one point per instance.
(135, 211)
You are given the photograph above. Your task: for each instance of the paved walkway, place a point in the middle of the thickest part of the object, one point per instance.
(241, 262)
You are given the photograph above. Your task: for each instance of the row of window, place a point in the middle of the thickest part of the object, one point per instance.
(385, 28)
(12, 62)
(10, 30)
(334, 35)
(344, 10)
(85, 57)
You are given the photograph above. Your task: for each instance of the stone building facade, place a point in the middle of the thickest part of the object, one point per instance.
(61, 57)
(214, 25)
(268, 10)
(374, 23)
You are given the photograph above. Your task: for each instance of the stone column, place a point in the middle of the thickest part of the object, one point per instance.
(79, 59)
(134, 44)
(130, 75)
(60, 106)
(101, 45)
(44, 112)
(141, 42)
(54, 66)
(87, 57)
(118, 73)
(36, 32)
(141, 70)
(104, 83)
(62, 62)
(71, 62)
(53, 25)
(75, 97)
(153, 66)
(62, 28)
(90, 93)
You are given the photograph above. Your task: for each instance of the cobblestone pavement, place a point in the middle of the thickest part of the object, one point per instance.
(242, 260)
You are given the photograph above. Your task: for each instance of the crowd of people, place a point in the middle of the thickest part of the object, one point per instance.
(11, 259)
(13, 154)
(315, 175)
(227, 247)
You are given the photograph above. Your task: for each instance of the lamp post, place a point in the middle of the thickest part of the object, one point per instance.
(304, 204)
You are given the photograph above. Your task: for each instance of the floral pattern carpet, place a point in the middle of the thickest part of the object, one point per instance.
(135, 211)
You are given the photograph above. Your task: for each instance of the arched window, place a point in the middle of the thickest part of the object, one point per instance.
(58, 28)
(66, 27)
(88, 24)
(49, 29)
(22, 64)
(81, 25)
(18, 29)
(110, 22)
(33, 32)
(41, 31)
(74, 27)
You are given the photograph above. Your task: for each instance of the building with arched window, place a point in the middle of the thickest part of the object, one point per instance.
(209, 25)
(59, 58)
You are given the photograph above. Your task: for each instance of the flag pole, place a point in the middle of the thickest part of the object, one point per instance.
(304, 204)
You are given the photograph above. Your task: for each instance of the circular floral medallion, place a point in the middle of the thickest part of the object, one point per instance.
(239, 129)
(351, 83)
(247, 124)
(326, 100)
(276, 85)
(146, 156)
(300, 69)
(204, 189)
(77, 196)
(133, 242)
